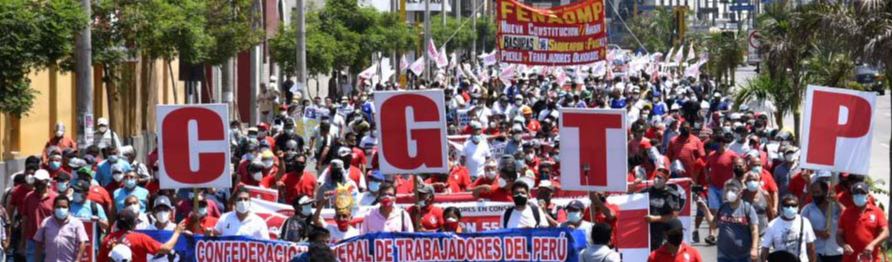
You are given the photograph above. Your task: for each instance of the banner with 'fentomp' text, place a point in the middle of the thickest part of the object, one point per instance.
(571, 34)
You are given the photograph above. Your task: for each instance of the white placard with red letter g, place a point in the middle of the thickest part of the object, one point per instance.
(412, 135)
(193, 146)
(593, 149)
(837, 128)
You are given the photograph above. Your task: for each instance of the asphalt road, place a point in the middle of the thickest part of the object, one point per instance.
(880, 153)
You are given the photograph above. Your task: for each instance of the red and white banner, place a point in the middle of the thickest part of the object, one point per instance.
(573, 34)
(273, 213)
(89, 251)
(263, 193)
(411, 132)
(633, 237)
(837, 129)
(594, 145)
(193, 146)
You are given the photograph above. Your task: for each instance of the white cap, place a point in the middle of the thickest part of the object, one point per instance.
(475, 125)
(305, 200)
(336, 163)
(344, 151)
(735, 116)
(41, 174)
(125, 150)
(675, 106)
(121, 253)
(102, 121)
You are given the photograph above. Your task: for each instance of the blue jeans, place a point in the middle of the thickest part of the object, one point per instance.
(733, 260)
(30, 251)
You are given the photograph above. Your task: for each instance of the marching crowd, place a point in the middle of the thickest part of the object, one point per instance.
(758, 203)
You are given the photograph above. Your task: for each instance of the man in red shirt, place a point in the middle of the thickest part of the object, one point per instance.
(489, 177)
(295, 181)
(430, 215)
(140, 244)
(37, 206)
(59, 140)
(200, 222)
(862, 228)
(674, 250)
(687, 148)
(358, 159)
(501, 191)
(720, 168)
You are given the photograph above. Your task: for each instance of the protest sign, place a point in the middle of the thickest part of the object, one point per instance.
(90, 250)
(263, 193)
(572, 34)
(593, 155)
(193, 146)
(411, 132)
(837, 129)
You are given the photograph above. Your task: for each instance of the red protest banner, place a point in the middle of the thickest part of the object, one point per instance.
(411, 132)
(89, 252)
(193, 146)
(571, 34)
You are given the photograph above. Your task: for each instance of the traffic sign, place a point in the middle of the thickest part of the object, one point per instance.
(193, 146)
(741, 8)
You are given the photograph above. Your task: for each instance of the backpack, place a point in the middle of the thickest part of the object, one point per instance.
(508, 214)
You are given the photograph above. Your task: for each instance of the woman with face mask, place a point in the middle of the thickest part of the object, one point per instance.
(387, 217)
(757, 197)
(451, 220)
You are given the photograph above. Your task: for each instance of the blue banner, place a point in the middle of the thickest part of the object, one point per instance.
(551, 244)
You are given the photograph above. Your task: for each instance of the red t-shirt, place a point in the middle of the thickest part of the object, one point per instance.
(687, 151)
(860, 228)
(768, 182)
(498, 194)
(461, 177)
(294, 184)
(483, 181)
(721, 167)
(206, 223)
(112, 186)
(17, 198)
(140, 245)
(101, 197)
(797, 185)
(685, 254)
(359, 158)
(600, 218)
(432, 217)
(37, 208)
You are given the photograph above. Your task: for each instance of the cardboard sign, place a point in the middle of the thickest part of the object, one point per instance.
(193, 146)
(837, 130)
(412, 136)
(594, 145)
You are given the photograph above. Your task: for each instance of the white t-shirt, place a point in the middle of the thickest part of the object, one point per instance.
(784, 235)
(253, 226)
(475, 156)
(524, 219)
(739, 148)
(336, 235)
(586, 226)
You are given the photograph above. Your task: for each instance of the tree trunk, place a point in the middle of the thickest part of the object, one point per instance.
(797, 127)
(779, 118)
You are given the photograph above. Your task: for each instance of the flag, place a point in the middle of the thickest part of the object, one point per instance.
(369, 72)
(678, 57)
(418, 66)
(432, 50)
(454, 60)
(691, 53)
(386, 70)
(507, 73)
(599, 69)
(489, 59)
(560, 77)
(633, 236)
(441, 58)
(404, 63)
(668, 55)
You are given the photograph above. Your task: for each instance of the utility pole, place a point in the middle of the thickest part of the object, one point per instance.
(84, 73)
(474, 25)
(443, 12)
(301, 67)
(458, 10)
(427, 44)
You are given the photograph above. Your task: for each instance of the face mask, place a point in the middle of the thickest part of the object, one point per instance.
(731, 196)
(529, 157)
(242, 206)
(490, 174)
(55, 165)
(501, 182)
(268, 163)
(78, 197)
(387, 201)
(789, 157)
(252, 137)
(102, 129)
(373, 186)
(423, 203)
(257, 176)
(118, 177)
(789, 212)
(29, 179)
(61, 187)
(757, 169)
(475, 139)
(860, 199)
(289, 131)
(61, 213)
(306, 210)
(519, 102)
(113, 158)
(342, 224)
(130, 183)
(203, 211)
(516, 137)
(675, 239)
(283, 114)
(519, 199)
(60, 133)
(738, 171)
(135, 208)
(451, 224)
(752, 186)
(818, 199)
(163, 216)
(574, 217)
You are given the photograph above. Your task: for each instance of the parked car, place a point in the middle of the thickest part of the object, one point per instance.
(870, 77)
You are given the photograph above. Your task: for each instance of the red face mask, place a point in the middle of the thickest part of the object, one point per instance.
(342, 224)
(387, 201)
(451, 226)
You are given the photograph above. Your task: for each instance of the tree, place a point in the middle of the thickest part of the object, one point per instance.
(726, 50)
(486, 34)
(36, 35)
(459, 32)
(655, 30)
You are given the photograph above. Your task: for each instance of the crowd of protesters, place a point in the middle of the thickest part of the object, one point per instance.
(758, 203)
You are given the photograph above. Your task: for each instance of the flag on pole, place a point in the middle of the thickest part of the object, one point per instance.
(691, 53)
(404, 63)
(599, 69)
(454, 60)
(369, 72)
(489, 59)
(507, 73)
(432, 50)
(441, 58)
(669, 55)
(418, 66)
(633, 236)
(678, 58)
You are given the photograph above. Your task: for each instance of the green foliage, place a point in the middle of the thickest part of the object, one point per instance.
(726, 52)
(654, 29)
(462, 35)
(486, 33)
(36, 34)
(230, 26)
(166, 28)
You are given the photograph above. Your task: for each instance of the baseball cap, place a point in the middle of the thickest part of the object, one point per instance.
(76, 163)
(426, 189)
(377, 175)
(41, 174)
(859, 187)
(546, 184)
(475, 125)
(336, 163)
(121, 253)
(62, 176)
(305, 200)
(576, 205)
(103, 121)
(81, 186)
(163, 201)
(674, 225)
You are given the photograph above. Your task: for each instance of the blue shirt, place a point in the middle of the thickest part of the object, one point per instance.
(659, 109)
(104, 171)
(85, 211)
(618, 103)
(122, 193)
(816, 217)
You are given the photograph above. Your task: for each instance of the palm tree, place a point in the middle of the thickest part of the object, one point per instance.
(726, 50)
(762, 89)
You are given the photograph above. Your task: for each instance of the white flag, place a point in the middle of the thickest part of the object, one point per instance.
(691, 53)
(668, 55)
(441, 58)
(404, 63)
(600, 69)
(678, 58)
(489, 59)
(454, 60)
(369, 72)
(507, 73)
(432, 50)
(418, 66)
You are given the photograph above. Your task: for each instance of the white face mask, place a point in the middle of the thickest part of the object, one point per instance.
(134, 208)
(307, 210)
(257, 176)
(60, 133)
(118, 177)
(163, 216)
(789, 157)
(731, 196)
(490, 174)
(243, 206)
(501, 182)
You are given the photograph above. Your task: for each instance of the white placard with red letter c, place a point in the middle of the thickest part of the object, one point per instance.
(593, 149)
(193, 146)
(837, 129)
(412, 136)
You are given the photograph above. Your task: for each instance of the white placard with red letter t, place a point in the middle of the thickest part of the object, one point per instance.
(193, 146)
(593, 149)
(837, 130)
(412, 135)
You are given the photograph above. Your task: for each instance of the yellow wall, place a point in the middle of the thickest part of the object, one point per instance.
(56, 101)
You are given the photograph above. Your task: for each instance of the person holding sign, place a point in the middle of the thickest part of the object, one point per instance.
(663, 206)
(242, 222)
(141, 245)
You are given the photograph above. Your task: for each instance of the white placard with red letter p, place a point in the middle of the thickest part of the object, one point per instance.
(412, 135)
(193, 146)
(837, 130)
(593, 149)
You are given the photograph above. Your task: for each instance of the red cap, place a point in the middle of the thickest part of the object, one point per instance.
(645, 144)
(283, 107)
(262, 126)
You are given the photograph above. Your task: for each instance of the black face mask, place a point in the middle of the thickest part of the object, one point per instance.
(337, 175)
(818, 199)
(675, 239)
(684, 132)
(520, 200)
(738, 172)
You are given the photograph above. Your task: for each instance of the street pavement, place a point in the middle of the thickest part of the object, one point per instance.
(880, 153)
